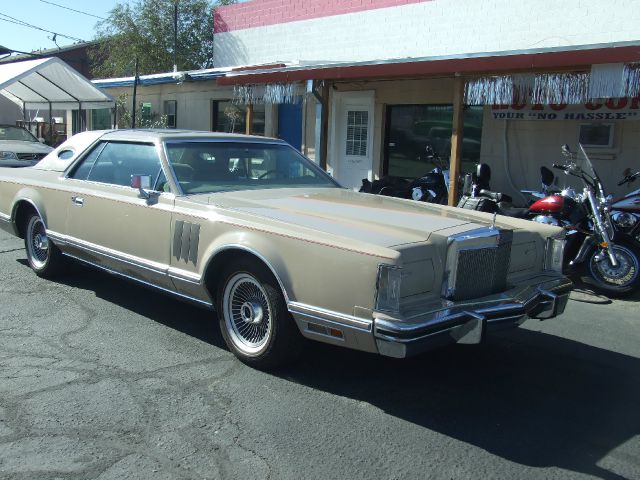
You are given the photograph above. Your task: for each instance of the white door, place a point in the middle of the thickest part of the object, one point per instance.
(353, 137)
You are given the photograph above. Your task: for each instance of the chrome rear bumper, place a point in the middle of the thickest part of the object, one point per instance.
(470, 322)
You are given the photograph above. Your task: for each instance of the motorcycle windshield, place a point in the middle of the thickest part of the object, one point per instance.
(584, 162)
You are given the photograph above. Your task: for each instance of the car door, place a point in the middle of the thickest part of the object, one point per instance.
(109, 223)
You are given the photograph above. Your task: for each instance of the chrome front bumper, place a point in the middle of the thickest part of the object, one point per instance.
(469, 323)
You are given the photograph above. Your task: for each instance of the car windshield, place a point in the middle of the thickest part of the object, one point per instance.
(210, 167)
(16, 133)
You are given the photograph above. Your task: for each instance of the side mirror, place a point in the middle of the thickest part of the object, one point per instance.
(142, 183)
(41, 139)
(566, 150)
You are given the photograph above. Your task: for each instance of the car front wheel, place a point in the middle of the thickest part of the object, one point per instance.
(43, 256)
(253, 317)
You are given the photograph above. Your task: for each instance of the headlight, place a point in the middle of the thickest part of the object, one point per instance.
(554, 253)
(624, 220)
(8, 156)
(388, 288)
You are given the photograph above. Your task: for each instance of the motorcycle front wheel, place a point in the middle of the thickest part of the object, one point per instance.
(621, 280)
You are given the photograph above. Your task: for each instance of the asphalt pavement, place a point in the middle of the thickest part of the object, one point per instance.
(104, 379)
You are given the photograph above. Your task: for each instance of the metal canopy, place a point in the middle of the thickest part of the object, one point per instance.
(50, 83)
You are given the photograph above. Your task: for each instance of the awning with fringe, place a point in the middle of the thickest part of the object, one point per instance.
(603, 81)
(270, 93)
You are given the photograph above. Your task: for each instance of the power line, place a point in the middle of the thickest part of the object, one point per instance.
(22, 23)
(73, 10)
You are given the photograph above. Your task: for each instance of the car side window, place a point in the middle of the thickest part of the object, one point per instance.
(116, 162)
(81, 172)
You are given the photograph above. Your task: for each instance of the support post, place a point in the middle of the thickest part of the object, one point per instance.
(50, 132)
(175, 36)
(135, 92)
(324, 127)
(249, 122)
(456, 139)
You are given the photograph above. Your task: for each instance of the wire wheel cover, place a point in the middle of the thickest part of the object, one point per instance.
(247, 314)
(38, 243)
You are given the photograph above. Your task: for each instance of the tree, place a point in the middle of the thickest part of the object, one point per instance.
(144, 29)
(144, 118)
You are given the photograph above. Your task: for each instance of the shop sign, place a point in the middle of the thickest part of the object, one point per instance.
(610, 110)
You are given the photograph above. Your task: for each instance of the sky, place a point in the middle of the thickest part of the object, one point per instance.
(41, 13)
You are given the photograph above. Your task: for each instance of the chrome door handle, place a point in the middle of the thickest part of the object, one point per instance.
(78, 201)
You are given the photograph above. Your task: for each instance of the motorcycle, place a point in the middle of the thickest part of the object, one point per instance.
(432, 187)
(547, 179)
(625, 211)
(609, 256)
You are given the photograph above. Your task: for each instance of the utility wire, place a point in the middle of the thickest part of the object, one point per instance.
(17, 21)
(73, 10)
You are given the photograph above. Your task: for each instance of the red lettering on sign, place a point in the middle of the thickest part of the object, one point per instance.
(616, 103)
(558, 106)
(518, 106)
(593, 106)
(537, 106)
(634, 103)
(495, 106)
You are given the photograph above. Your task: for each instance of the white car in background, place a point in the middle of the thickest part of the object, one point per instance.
(19, 148)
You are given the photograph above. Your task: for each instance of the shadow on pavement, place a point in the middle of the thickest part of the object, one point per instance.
(189, 318)
(586, 287)
(528, 397)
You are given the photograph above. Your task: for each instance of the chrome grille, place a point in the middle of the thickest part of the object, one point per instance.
(477, 264)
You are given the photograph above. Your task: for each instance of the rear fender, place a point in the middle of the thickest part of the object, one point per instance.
(31, 197)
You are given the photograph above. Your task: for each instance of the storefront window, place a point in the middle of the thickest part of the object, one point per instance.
(596, 135)
(170, 110)
(228, 117)
(410, 128)
(101, 119)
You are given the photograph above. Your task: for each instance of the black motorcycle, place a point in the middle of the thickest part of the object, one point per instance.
(432, 187)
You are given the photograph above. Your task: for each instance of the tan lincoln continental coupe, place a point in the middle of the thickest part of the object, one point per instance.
(249, 227)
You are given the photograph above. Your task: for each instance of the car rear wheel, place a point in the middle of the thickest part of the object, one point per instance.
(253, 317)
(43, 256)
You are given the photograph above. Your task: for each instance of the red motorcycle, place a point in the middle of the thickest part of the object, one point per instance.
(611, 257)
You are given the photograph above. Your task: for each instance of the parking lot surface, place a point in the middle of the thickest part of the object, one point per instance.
(104, 379)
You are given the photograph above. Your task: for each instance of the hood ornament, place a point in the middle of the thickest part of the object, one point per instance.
(493, 221)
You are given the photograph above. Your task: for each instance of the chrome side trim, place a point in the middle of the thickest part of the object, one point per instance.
(336, 318)
(132, 260)
(5, 217)
(184, 275)
(119, 274)
(158, 268)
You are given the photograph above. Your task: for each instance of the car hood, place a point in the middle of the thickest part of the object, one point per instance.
(373, 219)
(23, 147)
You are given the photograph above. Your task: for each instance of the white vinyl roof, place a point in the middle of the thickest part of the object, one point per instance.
(50, 82)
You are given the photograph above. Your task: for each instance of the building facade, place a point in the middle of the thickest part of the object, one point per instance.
(381, 79)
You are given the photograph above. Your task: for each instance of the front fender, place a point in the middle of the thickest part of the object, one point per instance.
(257, 245)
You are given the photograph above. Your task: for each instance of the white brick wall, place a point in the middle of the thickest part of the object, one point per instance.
(436, 28)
